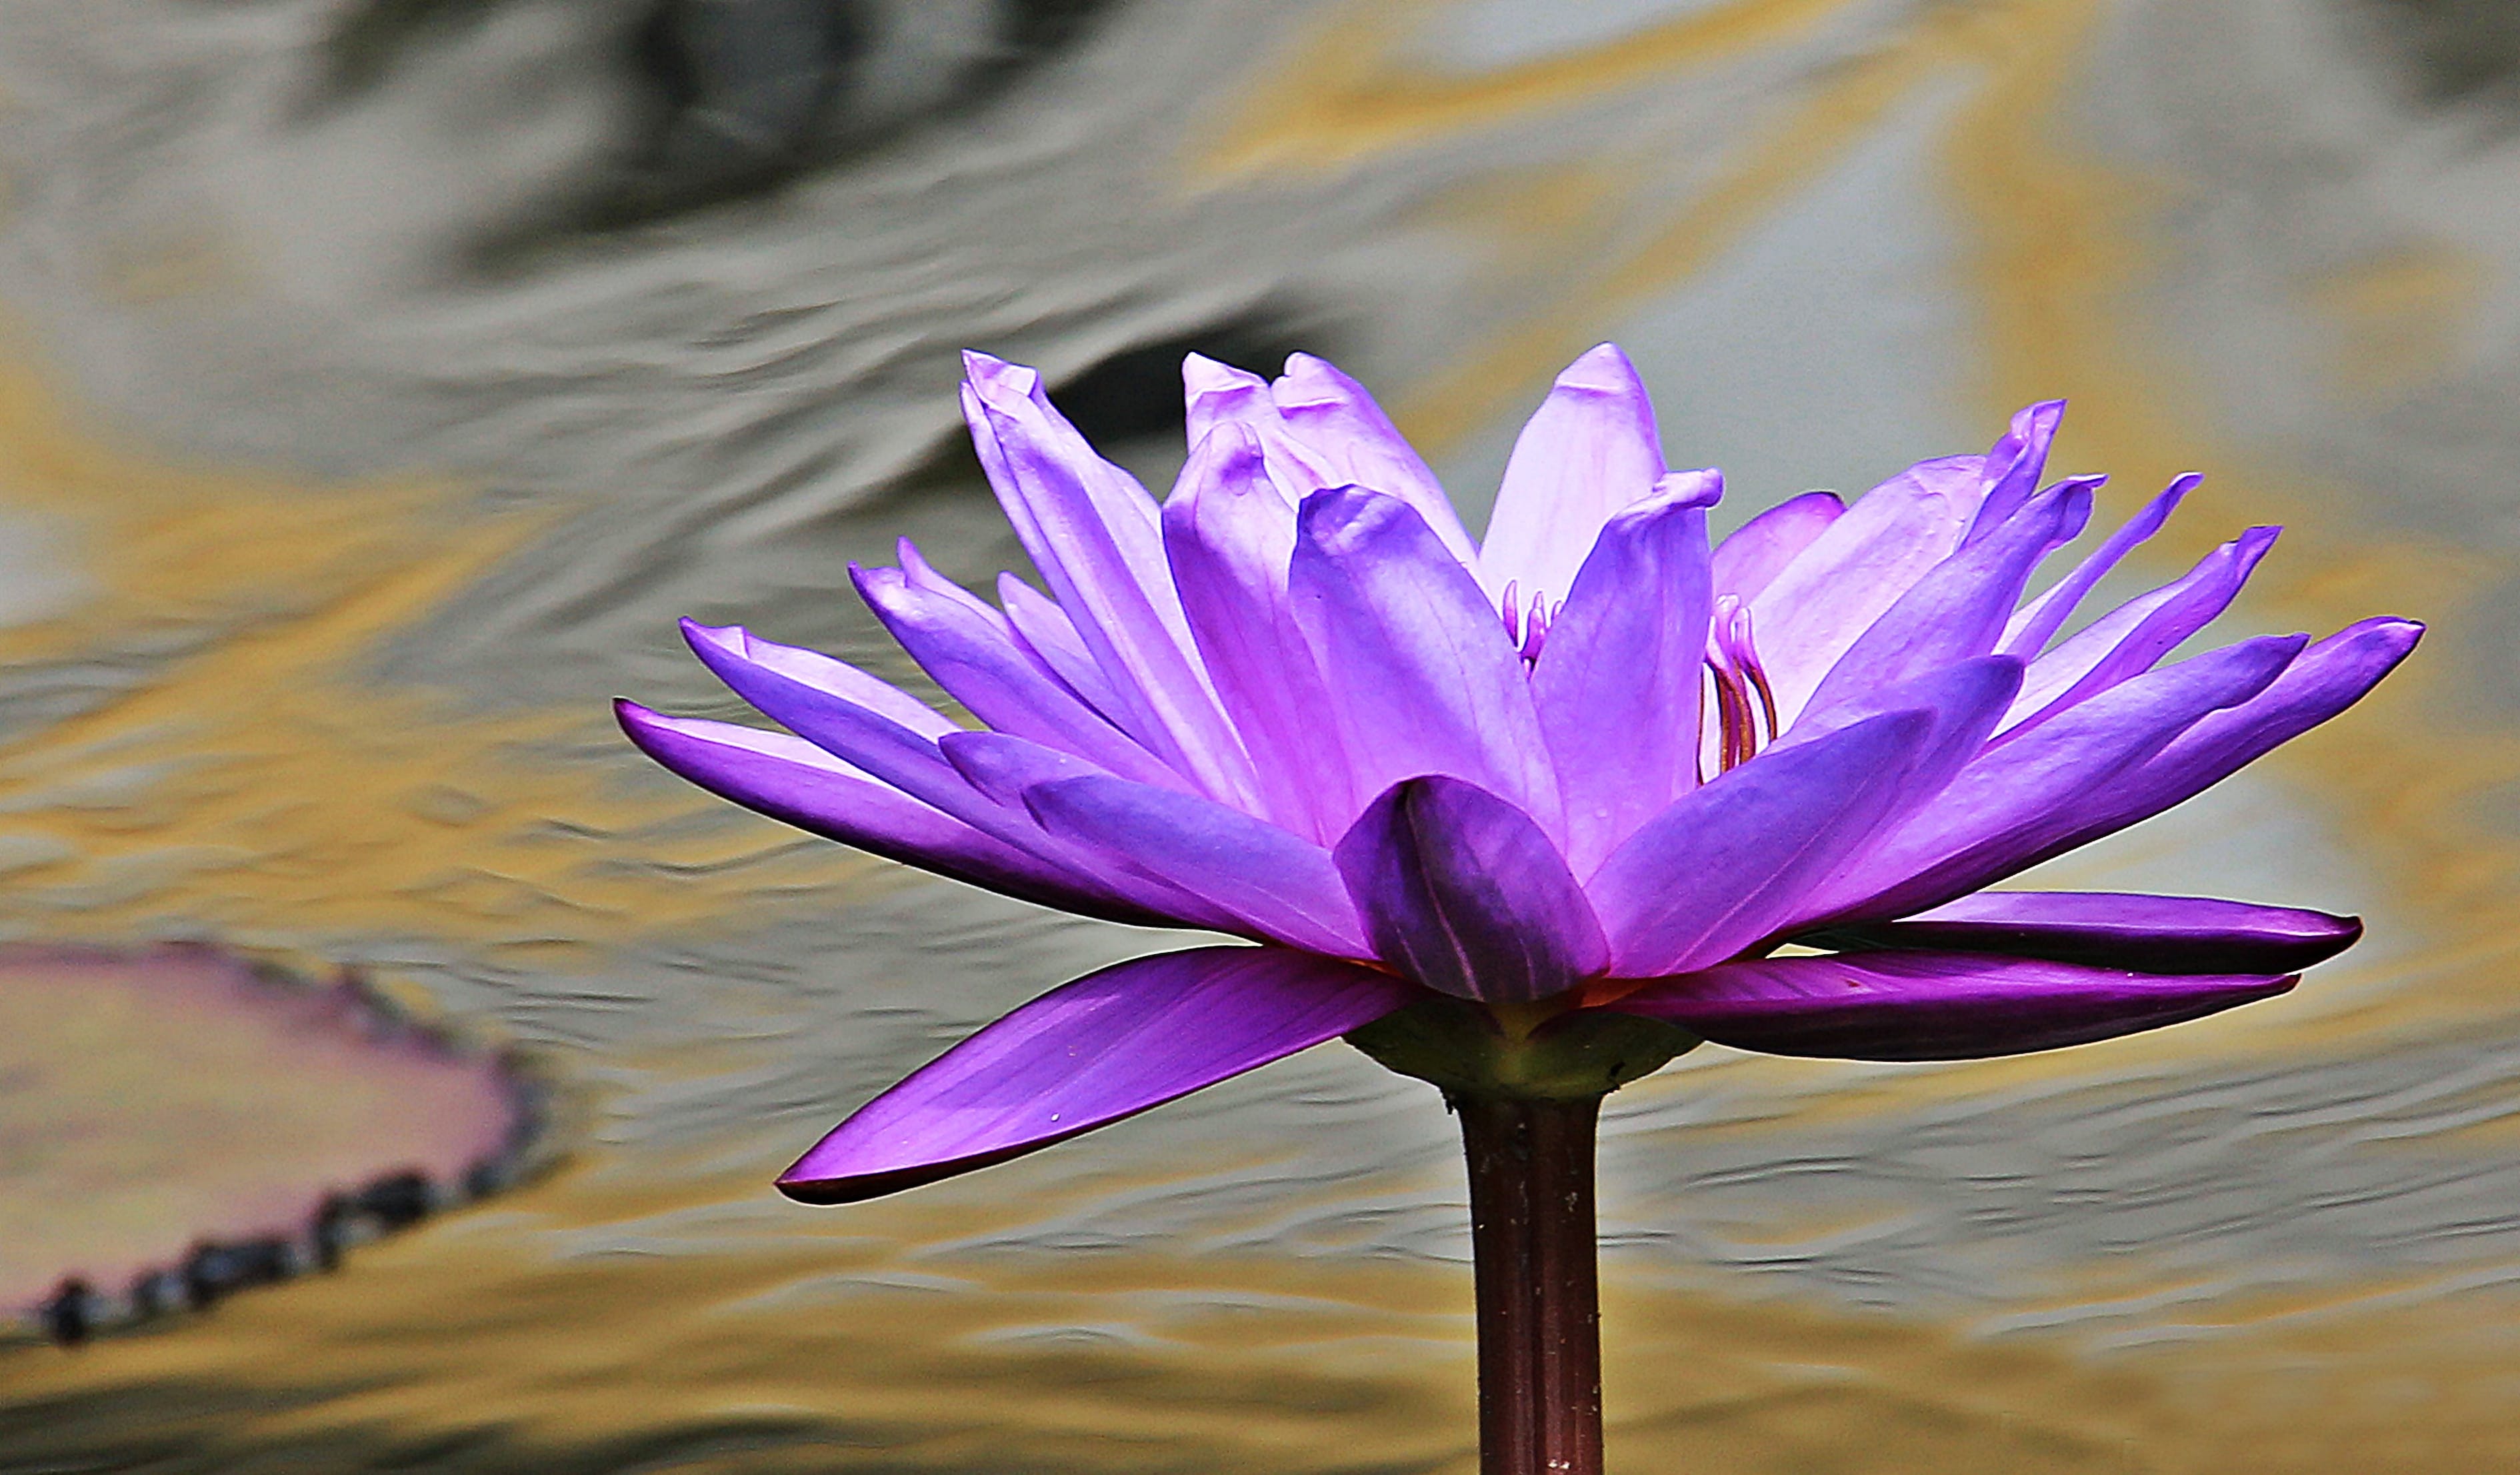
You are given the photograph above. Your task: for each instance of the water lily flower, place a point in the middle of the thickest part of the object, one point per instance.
(1587, 777)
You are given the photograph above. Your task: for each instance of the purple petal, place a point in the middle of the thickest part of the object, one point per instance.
(1106, 1046)
(1957, 610)
(1221, 398)
(1046, 633)
(1590, 450)
(1931, 1005)
(2129, 638)
(893, 737)
(1462, 892)
(2327, 678)
(2038, 621)
(2013, 466)
(1260, 876)
(1095, 536)
(2111, 930)
(1725, 864)
(1758, 551)
(795, 782)
(1229, 540)
(1835, 588)
(1333, 415)
(1006, 768)
(1618, 682)
(967, 649)
(2010, 806)
(1424, 679)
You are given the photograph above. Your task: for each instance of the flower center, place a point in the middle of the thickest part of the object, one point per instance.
(1733, 663)
(1527, 628)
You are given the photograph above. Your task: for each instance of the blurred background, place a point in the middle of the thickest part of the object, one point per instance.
(378, 379)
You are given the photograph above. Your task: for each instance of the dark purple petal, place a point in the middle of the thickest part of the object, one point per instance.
(1835, 588)
(1758, 551)
(797, 783)
(1931, 1005)
(2038, 621)
(1333, 415)
(1728, 863)
(1462, 892)
(1618, 682)
(2013, 466)
(969, 650)
(2129, 639)
(2010, 806)
(1957, 610)
(1095, 536)
(1230, 537)
(2113, 929)
(1106, 1046)
(1262, 877)
(1423, 676)
(1590, 450)
(1045, 633)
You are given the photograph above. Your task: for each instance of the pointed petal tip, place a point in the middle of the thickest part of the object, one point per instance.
(1702, 487)
(1603, 368)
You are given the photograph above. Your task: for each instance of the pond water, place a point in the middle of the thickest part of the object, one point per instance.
(383, 377)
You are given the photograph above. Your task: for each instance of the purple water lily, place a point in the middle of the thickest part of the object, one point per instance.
(1587, 768)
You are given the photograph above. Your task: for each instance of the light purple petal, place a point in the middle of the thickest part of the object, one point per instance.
(1106, 1046)
(1462, 892)
(1095, 536)
(1619, 680)
(2037, 623)
(2009, 806)
(797, 783)
(1269, 881)
(969, 650)
(2114, 929)
(1957, 610)
(1221, 398)
(1333, 415)
(1758, 551)
(1590, 450)
(1046, 633)
(1424, 679)
(1725, 864)
(891, 737)
(821, 673)
(1931, 1005)
(1859, 566)
(2131, 637)
(2013, 466)
(1229, 540)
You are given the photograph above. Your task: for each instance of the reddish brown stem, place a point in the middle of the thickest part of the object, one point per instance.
(1533, 1242)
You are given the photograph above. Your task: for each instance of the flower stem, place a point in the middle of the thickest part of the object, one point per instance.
(1532, 1247)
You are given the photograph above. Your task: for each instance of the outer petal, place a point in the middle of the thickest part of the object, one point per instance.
(2037, 623)
(2112, 930)
(1333, 415)
(793, 781)
(2131, 637)
(2327, 678)
(2013, 465)
(1045, 633)
(1957, 610)
(1462, 892)
(1758, 551)
(1727, 863)
(1424, 679)
(1229, 538)
(1093, 532)
(1619, 680)
(972, 655)
(1833, 591)
(2010, 806)
(1931, 1005)
(1272, 882)
(1591, 450)
(1106, 1046)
